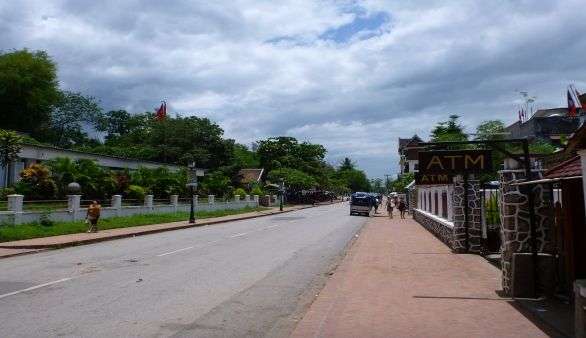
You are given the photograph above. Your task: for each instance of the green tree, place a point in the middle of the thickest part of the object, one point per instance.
(70, 113)
(295, 180)
(245, 158)
(217, 184)
(354, 179)
(10, 146)
(540, 146)
(400, 184)
(490, 130)
(450, 130)
(347, 164)
(377, 185)
(28, 90)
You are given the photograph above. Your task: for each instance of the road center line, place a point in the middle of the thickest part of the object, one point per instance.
(34, 287)
(238, 235)
(272, 226)
(175, 251)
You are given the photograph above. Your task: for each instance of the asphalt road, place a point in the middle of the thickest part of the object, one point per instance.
(245, 278)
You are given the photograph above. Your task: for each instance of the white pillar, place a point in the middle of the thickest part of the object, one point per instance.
(117, 204)
(211, 199)
(195, 200)
(15, 202)
(247, 198)
(255, 199)
(73, 205)
(236, 198)
(174, 199)
(148, 201)
(73, 202)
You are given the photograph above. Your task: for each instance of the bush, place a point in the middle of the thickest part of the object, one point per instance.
(240, 192)
(4, 192)
(135, 192)
(45, 219)
(256, 191)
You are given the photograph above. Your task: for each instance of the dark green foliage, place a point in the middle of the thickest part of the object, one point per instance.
(28, 91)
(449, 130)
(294, 179)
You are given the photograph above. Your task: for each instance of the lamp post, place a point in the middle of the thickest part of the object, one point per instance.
(192, 185)
(281, 193)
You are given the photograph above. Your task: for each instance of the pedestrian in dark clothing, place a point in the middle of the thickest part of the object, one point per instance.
(390, 206)
(402, 207)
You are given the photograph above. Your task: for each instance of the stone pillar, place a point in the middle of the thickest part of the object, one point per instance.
(148, 201)
(580, 308)
(268, 197)
(247, 198)
(195, 200)
(74, 205)
(413, 199)
(174, 199)
(211, 199)
(15, 202)
(255, 199)
(472, 231)
(450, 191)
(117, 204)
(236, 198)
(514, 212)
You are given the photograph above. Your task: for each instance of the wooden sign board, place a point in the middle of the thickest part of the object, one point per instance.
(433, 179)
(454, 162)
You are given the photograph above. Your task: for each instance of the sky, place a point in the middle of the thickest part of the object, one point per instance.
(351, 75)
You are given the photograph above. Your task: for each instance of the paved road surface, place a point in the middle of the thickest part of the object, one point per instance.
(243, 278)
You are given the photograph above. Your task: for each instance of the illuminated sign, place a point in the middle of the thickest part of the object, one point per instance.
(454, 161)
(431, 179)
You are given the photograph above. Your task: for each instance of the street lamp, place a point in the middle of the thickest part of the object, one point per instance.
(281, 193)
(193, 173)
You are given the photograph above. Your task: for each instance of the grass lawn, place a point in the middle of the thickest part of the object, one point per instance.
(34, 230)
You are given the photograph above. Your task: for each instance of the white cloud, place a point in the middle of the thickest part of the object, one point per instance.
(259, 68)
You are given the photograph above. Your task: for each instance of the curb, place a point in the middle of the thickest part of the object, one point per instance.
(146, 232)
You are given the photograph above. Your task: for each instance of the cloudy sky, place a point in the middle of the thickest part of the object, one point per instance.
(352, 75)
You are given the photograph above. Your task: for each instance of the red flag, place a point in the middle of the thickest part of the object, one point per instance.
(161, 113)
(571, 106)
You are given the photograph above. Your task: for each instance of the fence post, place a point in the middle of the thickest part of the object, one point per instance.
(148, 202)
(117, 204)
(211, 199)
(236, 198)
(247, 198)
(15, 202)
(15, 205)
(175, 202)
(268, 197)
(73, 205)
(255, 199)
(195, 200)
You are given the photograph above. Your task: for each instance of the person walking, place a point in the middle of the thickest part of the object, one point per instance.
(390, 206)
(93, 215)
(402, 207)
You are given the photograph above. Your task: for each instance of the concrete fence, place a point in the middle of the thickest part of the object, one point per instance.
(74, 212)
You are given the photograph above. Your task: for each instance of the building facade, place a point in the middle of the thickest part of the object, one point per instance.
(33, 153)
(408, 154)
(547, 124)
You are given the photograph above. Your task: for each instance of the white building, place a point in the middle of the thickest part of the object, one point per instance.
(32, 153)
(408, 154)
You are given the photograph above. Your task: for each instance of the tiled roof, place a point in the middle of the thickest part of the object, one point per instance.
(403, 142)
(250, 175)
(569, 168)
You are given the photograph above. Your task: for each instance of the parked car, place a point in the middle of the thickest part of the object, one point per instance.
(361, 203)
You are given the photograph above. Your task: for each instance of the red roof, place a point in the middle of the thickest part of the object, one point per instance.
(250, 175)
(569, 168)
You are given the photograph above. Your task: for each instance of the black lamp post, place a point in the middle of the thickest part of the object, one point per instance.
(192, 185)
(281, 193)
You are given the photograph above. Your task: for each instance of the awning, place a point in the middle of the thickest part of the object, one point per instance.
(548, 180)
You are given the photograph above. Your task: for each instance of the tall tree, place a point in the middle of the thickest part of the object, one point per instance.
(28, 90)
(347, 164)
(10, 146)
(450, 130)
(490, 130)
(70, 115)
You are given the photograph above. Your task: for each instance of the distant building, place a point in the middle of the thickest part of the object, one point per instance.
(547, 124)
(249, 177)
(408, 154)
(32, 153)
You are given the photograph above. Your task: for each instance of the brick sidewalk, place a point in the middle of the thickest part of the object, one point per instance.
(398, 280)
(8, 249)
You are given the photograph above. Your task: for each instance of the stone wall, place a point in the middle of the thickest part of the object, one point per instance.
(436, 226)
(467, 240)
(412, 199)
(514, 209)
